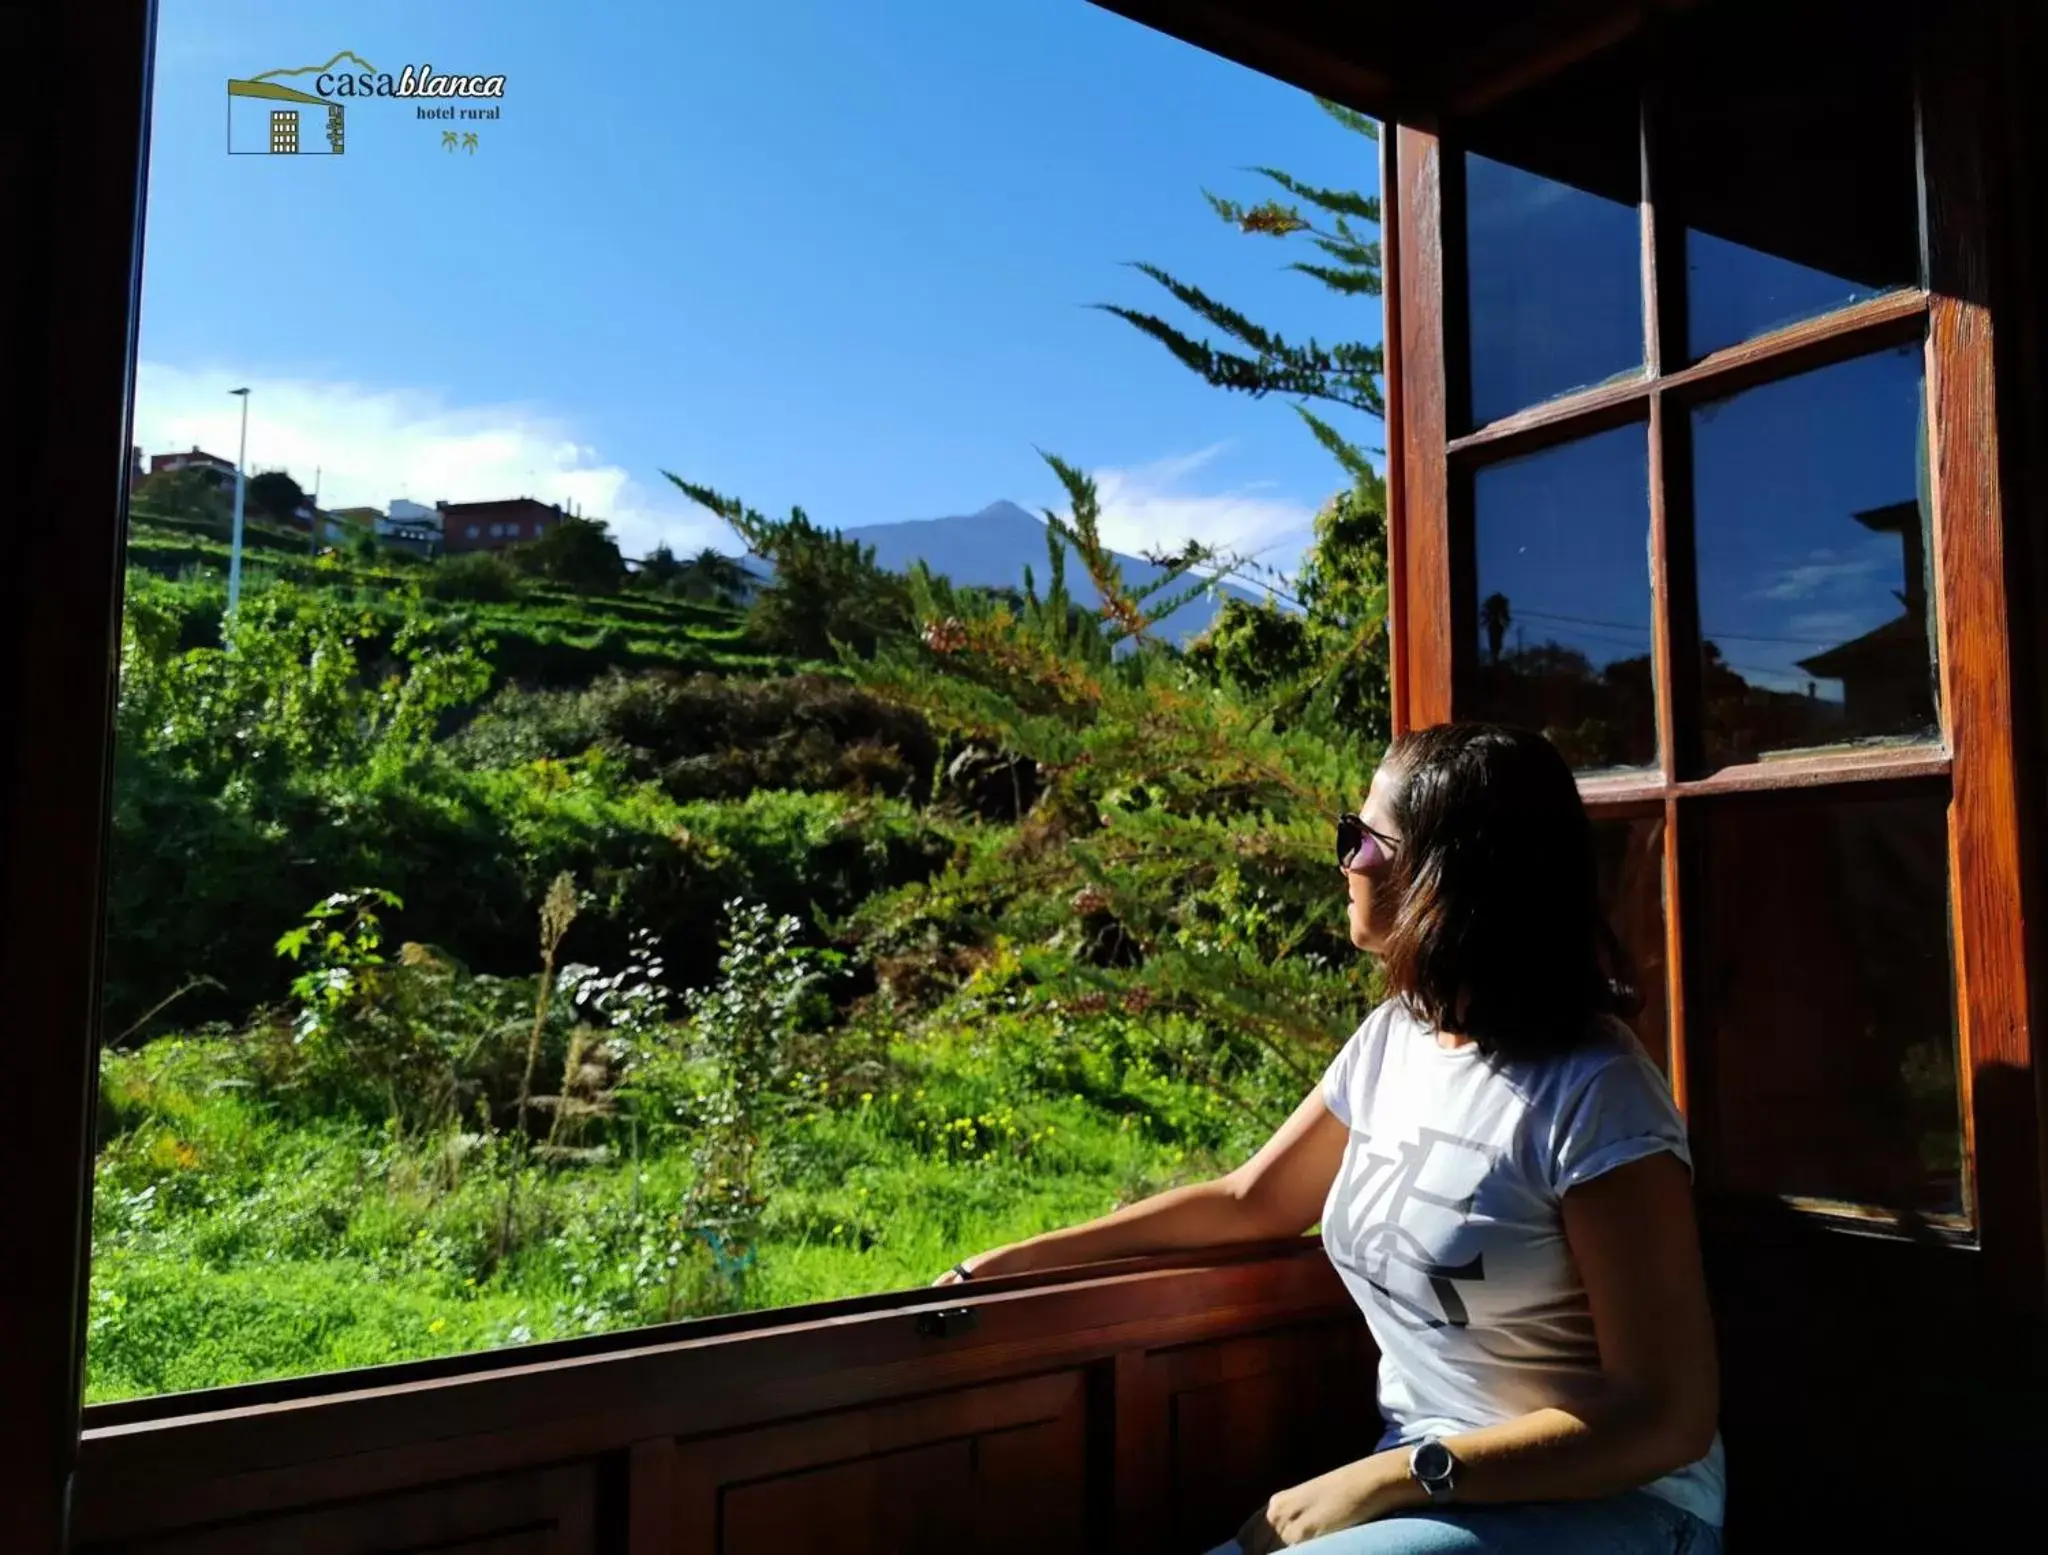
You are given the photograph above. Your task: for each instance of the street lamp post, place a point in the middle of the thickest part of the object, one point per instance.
(241, 494)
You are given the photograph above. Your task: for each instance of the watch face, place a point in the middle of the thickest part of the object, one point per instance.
(1433, 1461)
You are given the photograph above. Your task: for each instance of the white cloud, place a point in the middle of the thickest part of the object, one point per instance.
(1828, 627)
(372, 444)
(1150, 507)
(1830, 571)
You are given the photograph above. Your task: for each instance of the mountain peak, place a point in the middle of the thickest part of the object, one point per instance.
(1005, 511)
(994, 547)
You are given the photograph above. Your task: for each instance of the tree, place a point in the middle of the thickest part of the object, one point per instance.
(658, 569)
(711, 574)
(827, 592)
(1339, 653)
(1496, 616)
(1322, 652)
(578, 553)
(275, 494)
(188, 493)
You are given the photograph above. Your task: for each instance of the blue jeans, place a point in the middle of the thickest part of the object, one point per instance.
(1632, 1524)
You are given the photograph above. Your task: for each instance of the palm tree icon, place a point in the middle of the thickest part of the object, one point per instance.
(469, 142)
(447, 140)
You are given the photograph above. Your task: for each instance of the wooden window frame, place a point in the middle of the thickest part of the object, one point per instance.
(1427, 468)
(73, 152)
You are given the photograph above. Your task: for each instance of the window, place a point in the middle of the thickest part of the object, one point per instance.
(284, 130)
(1669, 495)
(510, 954)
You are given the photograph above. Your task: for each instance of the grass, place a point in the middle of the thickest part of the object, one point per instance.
(233, 1243)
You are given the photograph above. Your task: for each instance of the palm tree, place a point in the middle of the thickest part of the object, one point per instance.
(1494, 615)
(711, 574)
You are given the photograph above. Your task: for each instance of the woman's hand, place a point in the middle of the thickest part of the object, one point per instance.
(1343, 1498)
(955, 1276)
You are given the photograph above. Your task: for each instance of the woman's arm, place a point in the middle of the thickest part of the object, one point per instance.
(1633, 1236)
(1278, 1192)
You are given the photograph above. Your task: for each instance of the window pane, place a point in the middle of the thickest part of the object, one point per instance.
(1631, 855)
(1794, 167)
(1827, 1013)
(1811, 536)
(1554, 281)
(1562, 604)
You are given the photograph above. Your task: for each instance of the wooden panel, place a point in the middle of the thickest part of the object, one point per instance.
(72, 151)
(1215, 1429)
(547, 1513)
(267, 1449)
(1990, 883)
(1393, 359)
(996, 1468)
(1422, 522)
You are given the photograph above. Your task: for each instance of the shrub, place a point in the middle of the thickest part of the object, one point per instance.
(702, 736)
(578, 553)
(481, 577)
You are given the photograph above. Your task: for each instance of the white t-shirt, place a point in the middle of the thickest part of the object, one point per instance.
(1445, 1221)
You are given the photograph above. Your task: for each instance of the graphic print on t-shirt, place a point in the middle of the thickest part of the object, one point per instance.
(1407, 1214)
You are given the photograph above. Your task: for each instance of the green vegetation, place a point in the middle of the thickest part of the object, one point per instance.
(503, 949)
(511, 996)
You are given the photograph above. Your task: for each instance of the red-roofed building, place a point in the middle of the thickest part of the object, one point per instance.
(495, 526)
(223, 470)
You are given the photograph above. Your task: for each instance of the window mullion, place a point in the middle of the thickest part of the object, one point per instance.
(1674, 963)
(1421, 442)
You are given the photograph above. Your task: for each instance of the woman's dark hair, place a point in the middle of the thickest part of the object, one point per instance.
(1499, 934)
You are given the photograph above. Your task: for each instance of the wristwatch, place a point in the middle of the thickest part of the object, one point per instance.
(1432, 1467)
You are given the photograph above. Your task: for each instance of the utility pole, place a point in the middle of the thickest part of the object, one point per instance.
(241, 497)
(313, 512)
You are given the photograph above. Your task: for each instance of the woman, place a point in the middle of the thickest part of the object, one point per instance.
(1503, 1184)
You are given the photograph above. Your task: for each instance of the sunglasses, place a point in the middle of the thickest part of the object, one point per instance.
(1359, 847)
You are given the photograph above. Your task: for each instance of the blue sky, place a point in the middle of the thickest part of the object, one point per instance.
(803, 250)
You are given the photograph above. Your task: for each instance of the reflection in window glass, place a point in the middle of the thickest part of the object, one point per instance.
(1811, 535)
(1631, 858)
(523, 921)
(1828, 1020)
(1554, 281)
(1795, 170)
(1562, 605)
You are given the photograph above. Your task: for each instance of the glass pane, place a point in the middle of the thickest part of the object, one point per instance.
(1631, 855)
(1811, 535)
(1795, 170)
(1827, 1012)
(1554, 281)
(1562, 605)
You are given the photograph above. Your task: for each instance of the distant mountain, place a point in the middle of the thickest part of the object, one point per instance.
(993, 547)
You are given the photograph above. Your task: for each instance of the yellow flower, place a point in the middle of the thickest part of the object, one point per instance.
(437, 1325)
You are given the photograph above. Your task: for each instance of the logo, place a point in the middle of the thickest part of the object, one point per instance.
(1422, 1196)
(268, 117)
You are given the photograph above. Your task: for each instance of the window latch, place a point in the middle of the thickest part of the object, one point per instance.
(948, 1323)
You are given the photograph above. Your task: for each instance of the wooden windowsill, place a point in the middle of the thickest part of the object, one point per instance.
(236, 1452)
